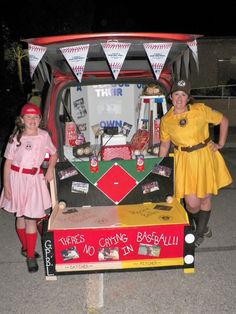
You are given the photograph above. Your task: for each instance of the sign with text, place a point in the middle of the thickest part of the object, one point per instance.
(118, 246)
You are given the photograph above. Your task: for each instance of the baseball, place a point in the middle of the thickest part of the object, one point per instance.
(80, 151)
(156, 150)
(169, 199)
(62, 205)
(87, 150)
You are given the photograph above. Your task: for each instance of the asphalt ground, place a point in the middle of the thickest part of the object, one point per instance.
(210, 289)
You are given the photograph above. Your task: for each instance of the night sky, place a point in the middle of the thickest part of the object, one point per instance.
(49, 17)
(38, 18)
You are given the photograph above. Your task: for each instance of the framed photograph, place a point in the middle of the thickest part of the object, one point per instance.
(80, 108)
(162, 170)
(69, 254)
(162, 207)
(108, 254)
(150, 187)
(149, 250)
(79, 187)
(126, 127)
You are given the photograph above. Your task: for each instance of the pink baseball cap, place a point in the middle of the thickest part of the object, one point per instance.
(30, 108)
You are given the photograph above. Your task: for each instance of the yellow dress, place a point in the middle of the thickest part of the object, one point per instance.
(202, 171)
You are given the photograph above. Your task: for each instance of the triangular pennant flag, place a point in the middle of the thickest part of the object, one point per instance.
(76, 57)
(115, 53)
(35, 55)
(186, 62)
(193, 46)
(157, 54)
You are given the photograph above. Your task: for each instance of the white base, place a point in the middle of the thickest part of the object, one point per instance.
(110, 140)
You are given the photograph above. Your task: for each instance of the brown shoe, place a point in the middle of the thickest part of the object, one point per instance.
(198, 240)
(207, 233)
(32, 264)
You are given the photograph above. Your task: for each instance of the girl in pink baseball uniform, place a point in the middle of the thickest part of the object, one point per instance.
(25, 192)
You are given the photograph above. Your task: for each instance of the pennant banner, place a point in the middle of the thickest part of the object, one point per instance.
(76, 57)
(115, 53)
(193, 46)
(157, 54)
(35, 55)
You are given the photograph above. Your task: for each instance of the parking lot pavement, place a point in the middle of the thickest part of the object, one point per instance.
(211, 289)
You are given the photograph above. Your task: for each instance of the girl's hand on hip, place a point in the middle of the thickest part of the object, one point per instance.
(49, 175)
(214, 146)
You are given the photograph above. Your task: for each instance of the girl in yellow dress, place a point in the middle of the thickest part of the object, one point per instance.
(200, 170)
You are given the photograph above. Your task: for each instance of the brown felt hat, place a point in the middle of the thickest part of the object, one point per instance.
(181, 85)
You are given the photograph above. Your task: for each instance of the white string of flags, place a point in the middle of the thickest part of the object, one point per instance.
(157, 54)
(35, 55)
(76, 57)
(115, 53)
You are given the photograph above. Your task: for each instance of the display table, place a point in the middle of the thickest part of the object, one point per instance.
(106, 227)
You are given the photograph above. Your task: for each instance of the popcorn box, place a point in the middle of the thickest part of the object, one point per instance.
(70, 134)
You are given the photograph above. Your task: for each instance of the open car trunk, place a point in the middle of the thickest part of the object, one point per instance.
(62, 89)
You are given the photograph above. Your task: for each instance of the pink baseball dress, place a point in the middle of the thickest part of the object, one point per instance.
(30, 194)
